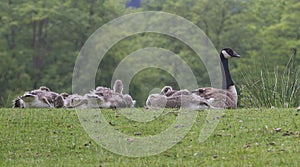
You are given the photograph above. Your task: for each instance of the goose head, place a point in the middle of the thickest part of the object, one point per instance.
(29, 97)
(64, 95)
(18, 103)
(165, 90)
(44, 88)
(91, 100)
(59, 101)
(32, 100)
(76, 101)
(228, 53)
(118, 86)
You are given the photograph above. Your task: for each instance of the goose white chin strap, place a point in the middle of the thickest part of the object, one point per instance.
(226, 55)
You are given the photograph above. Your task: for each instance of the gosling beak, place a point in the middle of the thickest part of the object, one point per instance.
(197, 92)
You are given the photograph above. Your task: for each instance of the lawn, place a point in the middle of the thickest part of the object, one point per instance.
(243, 137)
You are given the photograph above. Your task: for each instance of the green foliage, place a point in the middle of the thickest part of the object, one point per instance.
(244, 137)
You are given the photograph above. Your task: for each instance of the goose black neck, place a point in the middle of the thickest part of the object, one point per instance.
(226, 76)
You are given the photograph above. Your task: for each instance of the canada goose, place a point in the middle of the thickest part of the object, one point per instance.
(59, 102)
(191, 101)
(184, 99)
(39, 98)
(70, 101)
(88, 100)
(109, 98)
(181, 92)
(167, 91)
(118, 89)
(129, 101)
(18, 103)
(44, 88)
(169, 98)
(91, 100)
(227, 96)
(156, 101)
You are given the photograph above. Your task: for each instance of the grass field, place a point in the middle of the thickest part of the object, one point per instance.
(243, 137)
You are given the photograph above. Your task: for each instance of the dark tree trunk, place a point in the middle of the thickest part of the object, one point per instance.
(41, 46)
(220, 29)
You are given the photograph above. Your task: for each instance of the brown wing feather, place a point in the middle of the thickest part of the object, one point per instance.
(222, 98)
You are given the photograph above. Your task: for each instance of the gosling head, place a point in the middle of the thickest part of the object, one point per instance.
(165, 90)
(118, 86)
(18, 103)
(29, 97)
(44, 88)
(59, 101)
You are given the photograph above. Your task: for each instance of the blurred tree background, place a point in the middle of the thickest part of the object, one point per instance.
(40, 41)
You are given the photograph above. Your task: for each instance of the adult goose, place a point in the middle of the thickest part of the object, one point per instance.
(227, 96)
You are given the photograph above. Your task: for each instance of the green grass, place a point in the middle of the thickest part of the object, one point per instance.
(243, 137)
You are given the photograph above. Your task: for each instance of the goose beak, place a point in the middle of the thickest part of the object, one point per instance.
(195, 92)
(29, 95)
(236, 54)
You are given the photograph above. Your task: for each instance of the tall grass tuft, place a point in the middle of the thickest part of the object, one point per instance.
(7, 102)
(277, 87)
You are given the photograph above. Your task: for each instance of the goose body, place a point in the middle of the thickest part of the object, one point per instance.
(168, 98)
(185, 100)
(119, 100)
(191, 101)
(227, 96)
(36, 101)
(39, 98)
(156, 101)
(70, 101)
